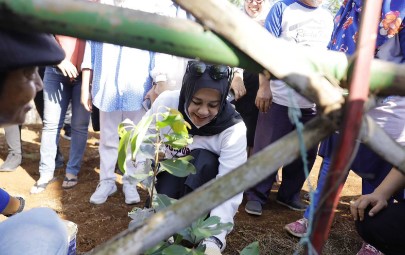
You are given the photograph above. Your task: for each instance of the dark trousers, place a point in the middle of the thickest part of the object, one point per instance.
(385, 230)
(271, 126)
(206, 164)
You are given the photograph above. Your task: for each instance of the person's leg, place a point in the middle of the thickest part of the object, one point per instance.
(57, 93)
(128, 181)
(67, 123)
(206, 164)
(385, 229)
(37, 231)
(271, 126)
(293, 173)
(108, 150)
(80, 124)
(13, 139)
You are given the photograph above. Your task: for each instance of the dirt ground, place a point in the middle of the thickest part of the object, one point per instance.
(99, 223)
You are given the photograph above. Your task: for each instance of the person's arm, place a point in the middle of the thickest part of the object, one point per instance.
(237, 84)
(85, 97)
(87, 74)
(232, 154)
(10, 205)
(264, 96)
(394, 181)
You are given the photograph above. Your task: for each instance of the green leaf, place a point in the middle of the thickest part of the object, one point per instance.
(251, 249)
(210, 226)
(175, 250)
(157, 250)
(125, 126)
(161, 201)
(122, 151)
(140, 133)
(177, 167)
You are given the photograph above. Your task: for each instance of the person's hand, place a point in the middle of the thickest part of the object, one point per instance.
(68, 69)
(377, 201)
(238, 87)
(85, 99)
(264, 98)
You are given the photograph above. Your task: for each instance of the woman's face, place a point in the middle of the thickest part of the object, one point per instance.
(204, 106)
(18, 89)
(253, 7)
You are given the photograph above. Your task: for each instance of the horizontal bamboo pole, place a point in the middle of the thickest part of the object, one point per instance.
(185, 38)
(287, 59)
(189, 208)
(121, 26)
(375, 137)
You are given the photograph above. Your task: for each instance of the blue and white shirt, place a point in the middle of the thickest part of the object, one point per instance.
(296, 22)
(121, 75)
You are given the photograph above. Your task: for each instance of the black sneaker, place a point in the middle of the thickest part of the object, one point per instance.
(253, 207)
(294, 204)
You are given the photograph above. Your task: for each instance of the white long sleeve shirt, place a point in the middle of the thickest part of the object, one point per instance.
(230, 145)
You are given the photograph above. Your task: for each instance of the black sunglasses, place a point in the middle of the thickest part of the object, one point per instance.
(216, 72)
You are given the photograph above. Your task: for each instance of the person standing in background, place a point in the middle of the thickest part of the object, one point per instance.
(62, 84)
(305, 23)
(120, 79)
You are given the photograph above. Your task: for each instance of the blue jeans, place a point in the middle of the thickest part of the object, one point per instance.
(58, 92)
(37, 231)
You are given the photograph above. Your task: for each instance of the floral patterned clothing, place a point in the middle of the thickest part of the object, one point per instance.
(347, 25)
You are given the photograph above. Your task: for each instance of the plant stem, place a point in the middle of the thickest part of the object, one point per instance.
(156, 168)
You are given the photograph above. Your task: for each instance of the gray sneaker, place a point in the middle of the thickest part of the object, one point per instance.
(253, 207)
(11, 163)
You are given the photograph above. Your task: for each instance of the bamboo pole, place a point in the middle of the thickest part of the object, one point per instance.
(189, 208)
(350, 129)
(147, 31)
(376, 139)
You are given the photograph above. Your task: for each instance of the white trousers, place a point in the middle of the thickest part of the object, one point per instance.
(109, 140)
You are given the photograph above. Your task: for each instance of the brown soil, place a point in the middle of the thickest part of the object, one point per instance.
(99, 223)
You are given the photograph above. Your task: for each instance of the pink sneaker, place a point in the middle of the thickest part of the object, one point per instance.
(368, 249)
(297, 228)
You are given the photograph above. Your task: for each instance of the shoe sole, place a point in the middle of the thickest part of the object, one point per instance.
(253, 212)
(289, 231)
(100, 203)
(289, 206)
(132, 202)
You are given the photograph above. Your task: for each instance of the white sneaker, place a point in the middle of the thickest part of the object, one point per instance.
(103, 191)
(131, 194)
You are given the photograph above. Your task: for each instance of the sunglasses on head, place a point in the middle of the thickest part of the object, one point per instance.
(216, 72)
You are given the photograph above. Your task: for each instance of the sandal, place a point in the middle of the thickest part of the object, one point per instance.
(69, 183)
(38, 188)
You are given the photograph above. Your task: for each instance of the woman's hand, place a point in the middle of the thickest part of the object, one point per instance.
(238, 86)
(377, 201)
(68, 69)
(264, 96)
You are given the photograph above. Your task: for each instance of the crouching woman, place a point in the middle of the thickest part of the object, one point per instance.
(218, 132)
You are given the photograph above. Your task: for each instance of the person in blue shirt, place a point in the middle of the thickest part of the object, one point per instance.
(39, 230)
(120, 80)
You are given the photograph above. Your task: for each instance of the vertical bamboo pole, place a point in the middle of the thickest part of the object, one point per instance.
(350, 128)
